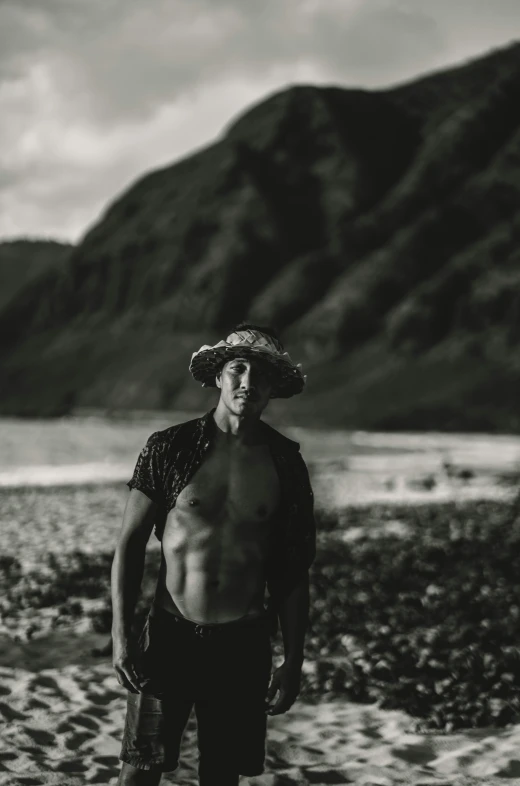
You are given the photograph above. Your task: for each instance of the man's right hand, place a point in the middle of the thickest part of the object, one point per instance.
(127, 662)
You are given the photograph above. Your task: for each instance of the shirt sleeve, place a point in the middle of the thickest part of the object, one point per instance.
(302, 549)
(293, 559)
(148, 476)
(308, 542)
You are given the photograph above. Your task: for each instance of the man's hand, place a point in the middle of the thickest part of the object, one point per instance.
(286, 679)
(127, 662)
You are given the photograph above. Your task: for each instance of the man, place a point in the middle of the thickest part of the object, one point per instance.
(231, 502)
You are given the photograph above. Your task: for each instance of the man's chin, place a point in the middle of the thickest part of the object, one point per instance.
(244, 402)
(246, 405)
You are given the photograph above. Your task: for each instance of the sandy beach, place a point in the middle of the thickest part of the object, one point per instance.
(62, 713)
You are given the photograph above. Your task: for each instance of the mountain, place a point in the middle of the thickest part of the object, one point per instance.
(378, 230)
(22, 261)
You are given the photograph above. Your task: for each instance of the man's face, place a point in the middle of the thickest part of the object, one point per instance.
(245, 386)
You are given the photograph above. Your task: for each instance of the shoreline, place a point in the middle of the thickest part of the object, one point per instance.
(347, 467)
(334, 492)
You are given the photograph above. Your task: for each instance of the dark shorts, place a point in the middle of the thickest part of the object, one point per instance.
(222, 670)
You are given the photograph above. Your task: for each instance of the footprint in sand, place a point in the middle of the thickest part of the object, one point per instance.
(84, 720)
(33, 750)
(64, 728)
(106, 761)
(76, 740)
(99, 712)
(8, 756)
(327, 734)
(511, 770)
(324, 776)
(10, 714)
(36, 704)
(40, 736)
(415, 754)
(372, 732)
(43, 683)
(103, 698)
(73, 765)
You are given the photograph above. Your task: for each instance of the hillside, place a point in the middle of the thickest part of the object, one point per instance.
(378, 230)
(22, 261)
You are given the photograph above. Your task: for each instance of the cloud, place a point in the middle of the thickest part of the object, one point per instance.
(378, 43)
(62, 174)
(113, 60)
(117, 59)
(95, 92)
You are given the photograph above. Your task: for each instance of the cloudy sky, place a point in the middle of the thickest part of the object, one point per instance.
(93, 93)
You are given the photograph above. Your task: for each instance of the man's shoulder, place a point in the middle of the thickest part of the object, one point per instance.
(178, 433)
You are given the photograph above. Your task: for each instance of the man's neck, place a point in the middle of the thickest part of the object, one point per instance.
(237, 429)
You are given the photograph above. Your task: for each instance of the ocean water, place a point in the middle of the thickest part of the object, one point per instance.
(347, 467)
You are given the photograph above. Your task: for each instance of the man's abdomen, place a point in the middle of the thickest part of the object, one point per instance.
(207, 600)
(212, 584)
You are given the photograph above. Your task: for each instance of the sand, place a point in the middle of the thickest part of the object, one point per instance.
(61, 723)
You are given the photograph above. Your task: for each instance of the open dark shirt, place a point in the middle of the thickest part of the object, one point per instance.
(171, 457)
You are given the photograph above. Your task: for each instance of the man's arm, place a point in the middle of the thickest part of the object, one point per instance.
(126, 578)
(294, 619)
(293, 611)
(294, 616)
(289, 584)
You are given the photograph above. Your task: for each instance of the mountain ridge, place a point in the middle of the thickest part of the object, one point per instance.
(369, 226)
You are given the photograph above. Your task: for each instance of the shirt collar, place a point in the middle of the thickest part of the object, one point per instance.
(209, 428)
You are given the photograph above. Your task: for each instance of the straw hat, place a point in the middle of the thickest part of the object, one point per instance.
(208, 361)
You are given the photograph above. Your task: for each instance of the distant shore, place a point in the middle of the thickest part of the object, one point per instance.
(347, 467)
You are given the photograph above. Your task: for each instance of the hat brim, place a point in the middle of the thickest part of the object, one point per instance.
(207, 363)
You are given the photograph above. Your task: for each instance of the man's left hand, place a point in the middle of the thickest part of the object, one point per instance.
(286, 679)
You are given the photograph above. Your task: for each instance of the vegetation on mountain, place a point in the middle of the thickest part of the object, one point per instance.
(378, 230)
(24, 260)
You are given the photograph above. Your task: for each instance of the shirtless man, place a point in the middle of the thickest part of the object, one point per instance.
(231, 502)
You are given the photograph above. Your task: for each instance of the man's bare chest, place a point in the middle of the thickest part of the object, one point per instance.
(228, 508)
(241, 485)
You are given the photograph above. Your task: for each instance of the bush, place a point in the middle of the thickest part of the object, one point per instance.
(429, 621)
